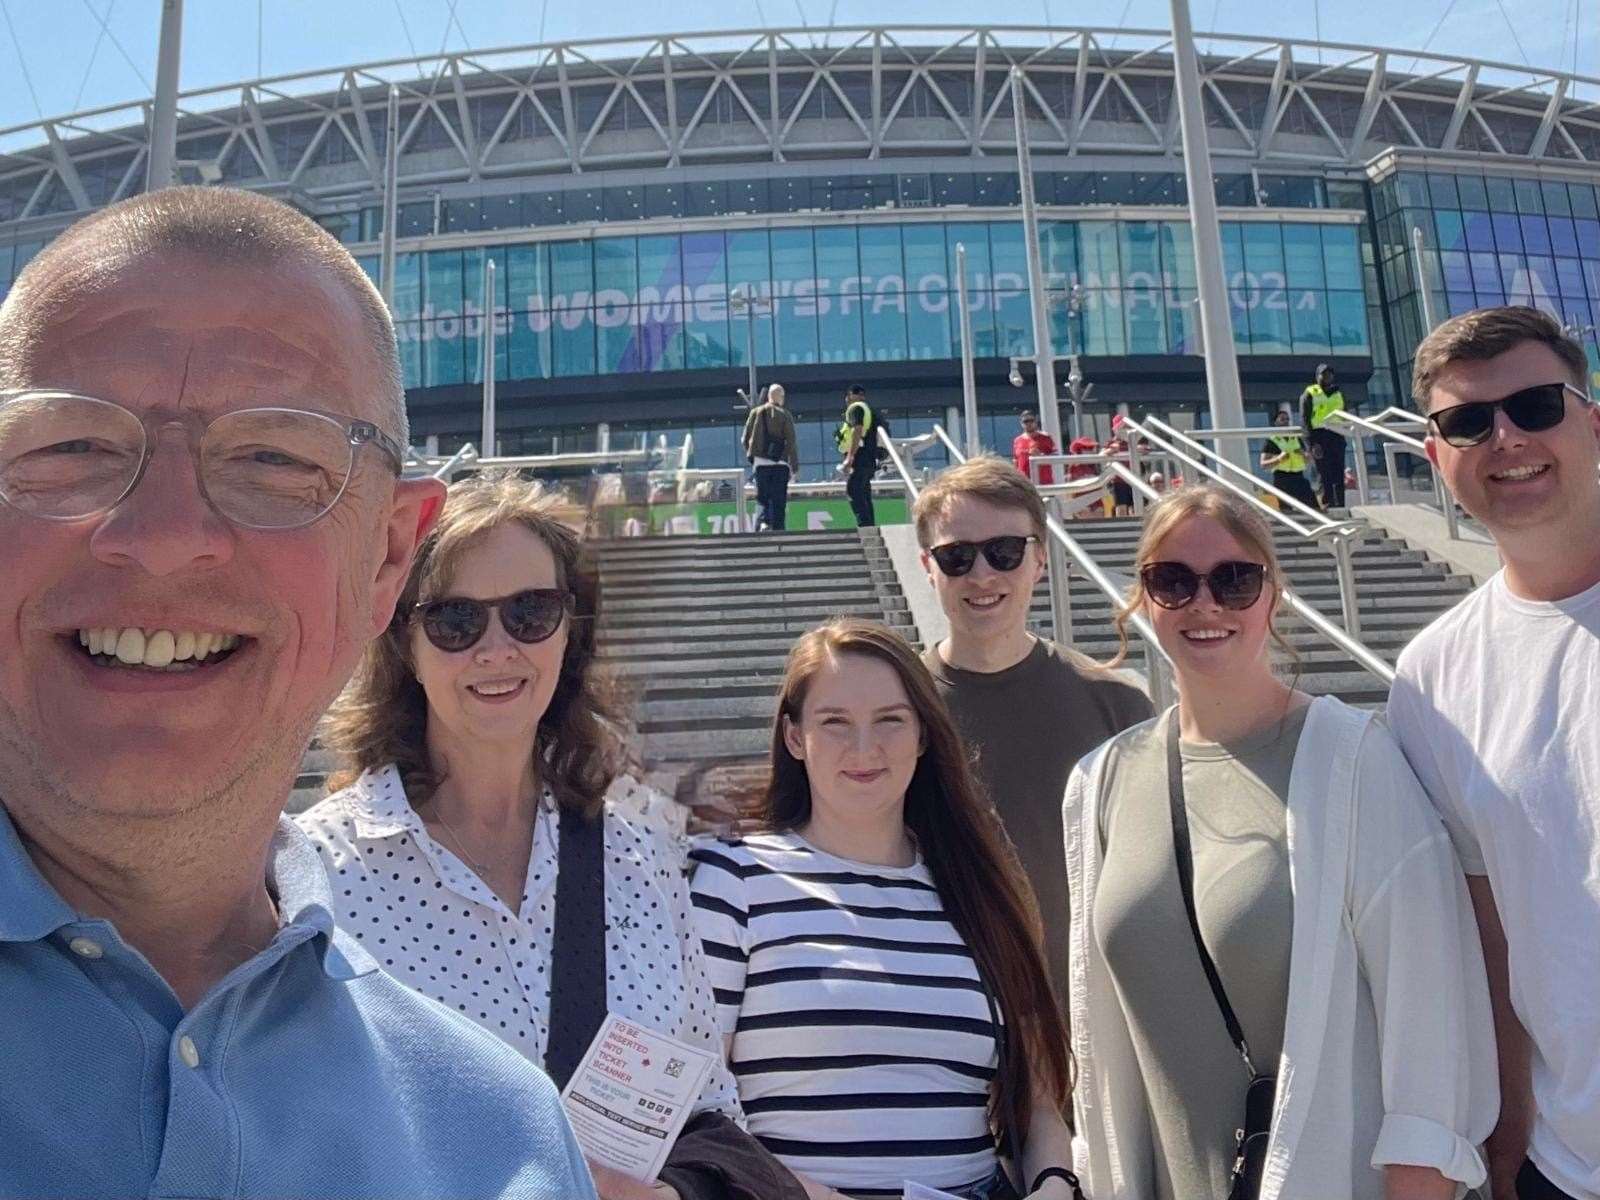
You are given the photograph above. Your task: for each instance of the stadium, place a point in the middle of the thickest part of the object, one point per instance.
(645, 199)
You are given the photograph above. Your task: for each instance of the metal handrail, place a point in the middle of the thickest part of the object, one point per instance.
(1394, 443)
(1337, 534)
(1065, 551)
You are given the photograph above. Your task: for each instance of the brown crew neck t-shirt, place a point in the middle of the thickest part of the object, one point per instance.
(1030, 724)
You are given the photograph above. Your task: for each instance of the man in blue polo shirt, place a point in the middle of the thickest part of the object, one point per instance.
(200, 441)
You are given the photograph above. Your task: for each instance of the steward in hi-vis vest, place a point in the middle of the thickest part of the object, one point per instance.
(858, 440)
(1317, 404)
(1285, 454)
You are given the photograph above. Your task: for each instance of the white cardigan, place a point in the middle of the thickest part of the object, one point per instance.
(1388, 1046)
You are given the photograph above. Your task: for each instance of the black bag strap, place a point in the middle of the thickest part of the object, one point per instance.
(578, 1000)
(1185, 859)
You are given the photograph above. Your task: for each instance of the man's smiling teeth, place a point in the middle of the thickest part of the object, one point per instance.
(1516, 473)
(984, 601)
(154, 647)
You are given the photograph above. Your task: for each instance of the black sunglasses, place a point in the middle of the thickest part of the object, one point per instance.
(458, 623)
(1003, 554)
(1235, 585)
(1531, 410)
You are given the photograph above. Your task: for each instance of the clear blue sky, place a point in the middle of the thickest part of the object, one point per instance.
(70, 65)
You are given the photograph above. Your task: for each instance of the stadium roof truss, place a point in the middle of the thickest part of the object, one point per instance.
(787, 95)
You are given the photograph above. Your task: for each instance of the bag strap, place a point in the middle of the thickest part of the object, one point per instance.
(1185, 860)
(578, 1000)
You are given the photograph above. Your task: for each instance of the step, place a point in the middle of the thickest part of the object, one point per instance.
(705, 622)
(793, 584)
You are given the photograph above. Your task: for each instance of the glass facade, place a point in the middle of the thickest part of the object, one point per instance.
(866, 292)
(1487, 240)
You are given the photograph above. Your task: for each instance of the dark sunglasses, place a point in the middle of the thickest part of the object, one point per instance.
(1531, 410)
(1235, 585)
(458, 623)
(1003, 554)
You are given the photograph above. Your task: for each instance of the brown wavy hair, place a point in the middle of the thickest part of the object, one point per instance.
(382, 716)
(986, 896)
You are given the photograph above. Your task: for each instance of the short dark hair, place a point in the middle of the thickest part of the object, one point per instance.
(985, 477)
(226, 225)
(1027, 414)
(857, 390)
(1486, 333)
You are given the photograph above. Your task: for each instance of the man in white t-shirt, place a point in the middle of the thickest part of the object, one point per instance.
(1497, 706)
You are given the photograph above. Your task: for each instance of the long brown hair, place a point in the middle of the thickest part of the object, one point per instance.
(985, 894)
(382, 716)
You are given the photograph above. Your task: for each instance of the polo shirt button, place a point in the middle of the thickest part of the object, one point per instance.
(86, 947)
(187, 1051)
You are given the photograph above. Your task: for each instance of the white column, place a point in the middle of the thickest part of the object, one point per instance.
(969, 380)
(391, 198)
(164, 111)
(1044, 355)
(486, 444)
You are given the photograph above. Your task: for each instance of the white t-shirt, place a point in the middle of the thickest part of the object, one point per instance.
(1497, 706)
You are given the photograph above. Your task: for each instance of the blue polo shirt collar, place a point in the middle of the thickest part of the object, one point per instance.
(31, 910)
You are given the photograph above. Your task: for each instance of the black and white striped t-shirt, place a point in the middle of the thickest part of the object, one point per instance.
(862, 1040)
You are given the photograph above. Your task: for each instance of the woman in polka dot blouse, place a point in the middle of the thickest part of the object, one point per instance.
(472, 722)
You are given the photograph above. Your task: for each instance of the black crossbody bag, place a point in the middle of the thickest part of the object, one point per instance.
(1251, 1152)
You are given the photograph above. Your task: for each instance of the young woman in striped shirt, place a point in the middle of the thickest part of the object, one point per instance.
(876, 954)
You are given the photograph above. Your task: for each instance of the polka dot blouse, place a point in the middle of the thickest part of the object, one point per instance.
(433, 924)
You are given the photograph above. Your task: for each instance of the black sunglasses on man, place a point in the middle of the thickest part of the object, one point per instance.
(1532, 410)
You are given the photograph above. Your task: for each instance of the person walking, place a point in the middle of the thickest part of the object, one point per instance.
(1271, 933)
(858, 441)
(1029, 707)
(1317, 403)
(771, 447)
(875, 948)
(1497, 703)
(1032, 440)
(1285, 454)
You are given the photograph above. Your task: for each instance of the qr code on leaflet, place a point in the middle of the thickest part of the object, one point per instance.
(674, 1068)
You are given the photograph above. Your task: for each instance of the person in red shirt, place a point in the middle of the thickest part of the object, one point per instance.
(1082, 445)
(1033, 440)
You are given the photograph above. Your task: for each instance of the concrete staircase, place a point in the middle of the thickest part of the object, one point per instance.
(698, 628)
(1400, 591)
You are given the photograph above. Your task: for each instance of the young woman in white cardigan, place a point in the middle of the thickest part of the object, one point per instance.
(1325, 967)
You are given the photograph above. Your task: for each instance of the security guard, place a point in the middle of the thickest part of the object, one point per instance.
(1317, 403)
(857, 440)
(1286, 455)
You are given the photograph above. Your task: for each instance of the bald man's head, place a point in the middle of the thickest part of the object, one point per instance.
(228, 227)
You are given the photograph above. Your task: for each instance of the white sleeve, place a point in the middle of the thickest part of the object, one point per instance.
(1420, 729)
(1418, 949)
(699, 1026)
(721, 919)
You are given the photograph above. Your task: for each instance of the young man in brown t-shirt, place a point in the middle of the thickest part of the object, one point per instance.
(1029, 707)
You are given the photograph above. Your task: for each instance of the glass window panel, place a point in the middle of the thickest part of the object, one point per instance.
(929, 324)
(1145, 318)
(1013, 324)
(1341, 254)
(1452, 232)
(796, 329)
(975, 237)
(1569, 279)
(1269, 323)
(616, 265)
(408, 336)
(925, 253)
(1302, 256)
(571, 268)
(1442, 191)
(837, 257)
(1535, 235)
(1263, 247)
(1347, 322)
(614, 336)
(657, 339)
(1460, 302)
(1058, 251)
(1140, 247)
(660, 265)
(441, 352)
(706, 198)
(528, 276)
(706, 331)
(1529, 198)
(1413, 188)
(1591, 279)
(1507, 233)
(472, 349)
(704, 262)
(1583, 200)
(1183, 321)
(663, 200)
(441, 281)
(1008, 249)
(748, 195)
(792, 258)
(1480, 230)
(748, 264)
(572, 342)
(839, 328)
(1556, 203)
(1457, 272)
(883, 319)
(1542, 277)
(582, 204)
(1308, 323)
(1097, 252)
(880, 252)
(1232, 249)
(1103, 331)
(622, 203)
(1473, 193)
(1563, 237)
(1514, 278)
(1485, 272)
(739, 338)
(1588, 233)
(1502, 196)
(530, 346)
(1177, 254)
(407, 286)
